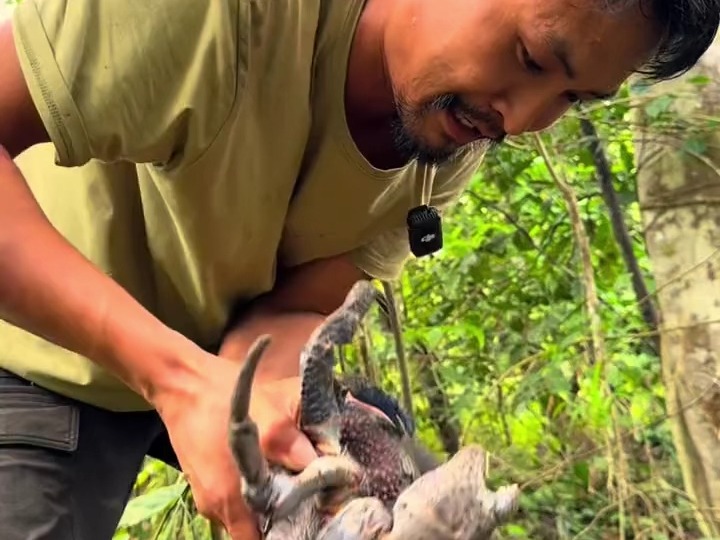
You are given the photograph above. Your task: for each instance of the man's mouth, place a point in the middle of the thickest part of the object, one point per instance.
(460, 127)
(464, 119)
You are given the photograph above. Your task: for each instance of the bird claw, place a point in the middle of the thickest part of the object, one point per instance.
(319, 409)
(276, 496)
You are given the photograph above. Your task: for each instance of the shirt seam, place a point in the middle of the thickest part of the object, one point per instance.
(49, 91)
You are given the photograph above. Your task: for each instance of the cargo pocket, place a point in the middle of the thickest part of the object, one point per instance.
(32, 416)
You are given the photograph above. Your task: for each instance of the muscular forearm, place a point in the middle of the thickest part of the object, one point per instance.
(289, 331)
(48, 288)
(298, 304)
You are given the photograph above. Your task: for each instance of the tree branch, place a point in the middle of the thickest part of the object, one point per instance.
(591, 298)
(399, 347)
(622, 237)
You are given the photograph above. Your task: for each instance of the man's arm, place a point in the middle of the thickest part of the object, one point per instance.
(297, 305)
(47, 287)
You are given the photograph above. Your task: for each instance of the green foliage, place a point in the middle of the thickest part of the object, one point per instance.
(161, 508)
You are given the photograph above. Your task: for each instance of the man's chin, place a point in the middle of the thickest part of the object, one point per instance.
(414, 147)
(449, 154)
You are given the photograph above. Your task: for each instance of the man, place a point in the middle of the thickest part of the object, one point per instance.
(177, 157)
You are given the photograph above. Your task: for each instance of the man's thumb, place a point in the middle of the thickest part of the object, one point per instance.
(299, 454)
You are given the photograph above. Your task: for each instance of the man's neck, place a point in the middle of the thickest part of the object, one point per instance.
(369, 103)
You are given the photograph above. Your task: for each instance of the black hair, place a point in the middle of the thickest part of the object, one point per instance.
(688, 28)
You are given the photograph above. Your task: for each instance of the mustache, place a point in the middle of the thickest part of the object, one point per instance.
(455, 103)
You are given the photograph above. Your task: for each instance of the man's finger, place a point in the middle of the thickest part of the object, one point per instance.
(241, 525)
(297, 453)
(243, 531)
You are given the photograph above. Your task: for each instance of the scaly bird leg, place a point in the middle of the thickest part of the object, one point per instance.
(276, 496)
(259, 489)
(319, 409)
(334, 472)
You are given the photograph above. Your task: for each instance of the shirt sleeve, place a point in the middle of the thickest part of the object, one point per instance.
(386, 255)
(136, 80)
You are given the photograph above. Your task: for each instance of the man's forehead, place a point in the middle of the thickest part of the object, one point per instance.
(562, 49)
(589, 41)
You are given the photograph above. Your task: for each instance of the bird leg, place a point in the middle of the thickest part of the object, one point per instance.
(267, 493)
(319, 408)
(326, 473)
(259, 489)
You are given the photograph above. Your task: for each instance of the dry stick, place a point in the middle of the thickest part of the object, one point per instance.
(591, 299)
(342, 360)
(399, 347)
(439, 410)
(592, 302)
(217, 531)
(365, 352)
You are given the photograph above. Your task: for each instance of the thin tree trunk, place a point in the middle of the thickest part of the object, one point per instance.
(439, 412)
(617, 457)
(365, 353)
(622, 237)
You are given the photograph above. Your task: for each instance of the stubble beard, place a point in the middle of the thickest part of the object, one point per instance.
(408, 142)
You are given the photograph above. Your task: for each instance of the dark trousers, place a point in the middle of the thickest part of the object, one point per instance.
(67, 468)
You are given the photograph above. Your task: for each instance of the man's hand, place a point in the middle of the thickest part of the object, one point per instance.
(197, 422)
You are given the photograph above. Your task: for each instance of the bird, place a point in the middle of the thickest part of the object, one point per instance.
(373, 480)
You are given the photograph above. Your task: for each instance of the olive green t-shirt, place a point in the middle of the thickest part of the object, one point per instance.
(197, 146)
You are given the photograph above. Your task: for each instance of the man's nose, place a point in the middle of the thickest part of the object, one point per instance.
(530, 109)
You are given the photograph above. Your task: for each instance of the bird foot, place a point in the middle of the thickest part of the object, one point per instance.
(337, 475)
(277, 495)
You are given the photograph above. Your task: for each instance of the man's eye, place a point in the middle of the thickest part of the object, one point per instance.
(530, 64)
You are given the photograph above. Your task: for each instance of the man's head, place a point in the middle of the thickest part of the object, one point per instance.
(505, 67)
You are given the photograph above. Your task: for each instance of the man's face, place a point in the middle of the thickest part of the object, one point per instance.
(467, 71)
